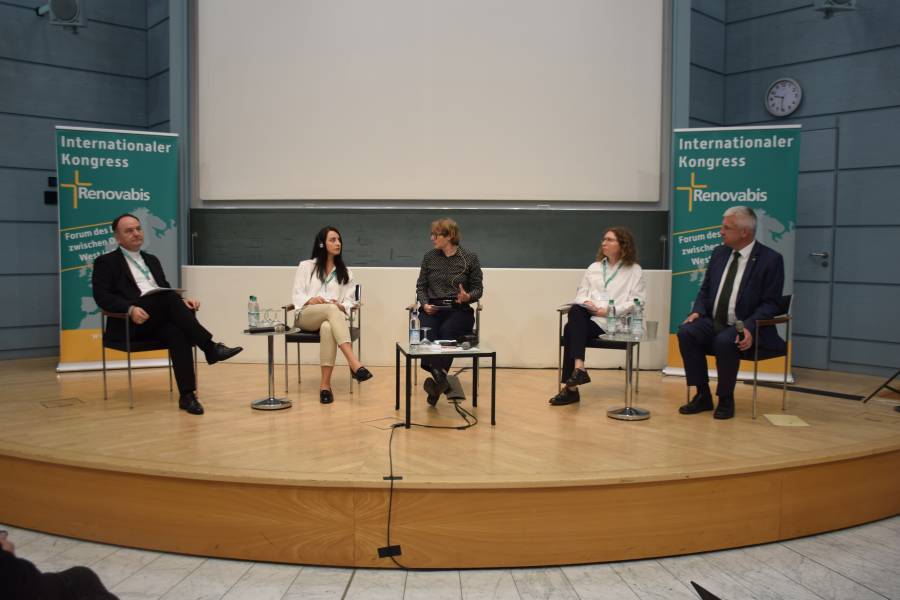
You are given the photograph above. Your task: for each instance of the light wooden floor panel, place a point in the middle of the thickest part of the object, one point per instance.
(307, 484)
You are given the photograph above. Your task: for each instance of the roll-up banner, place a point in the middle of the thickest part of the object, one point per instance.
(714, 169)
(103, 173)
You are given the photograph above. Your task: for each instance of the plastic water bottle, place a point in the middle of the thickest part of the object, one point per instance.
(637, 319)
(415, 327)
(611, 316)
(253, 312)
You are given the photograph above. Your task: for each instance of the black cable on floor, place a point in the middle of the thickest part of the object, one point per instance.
(470, 420)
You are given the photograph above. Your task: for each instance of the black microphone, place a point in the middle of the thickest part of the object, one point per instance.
(739, 325)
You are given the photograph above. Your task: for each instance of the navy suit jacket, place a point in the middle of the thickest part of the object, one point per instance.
(759, 293)
(115, 289)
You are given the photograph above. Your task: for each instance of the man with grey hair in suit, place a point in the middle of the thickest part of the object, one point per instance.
(743, 282)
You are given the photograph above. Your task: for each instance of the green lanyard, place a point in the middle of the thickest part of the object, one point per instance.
(329, 279)
(144, 272)
(607, 280)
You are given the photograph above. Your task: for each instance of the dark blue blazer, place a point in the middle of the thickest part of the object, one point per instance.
(759, 293)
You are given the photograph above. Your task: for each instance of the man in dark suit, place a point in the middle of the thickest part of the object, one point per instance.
(743, 282)
(123, 282)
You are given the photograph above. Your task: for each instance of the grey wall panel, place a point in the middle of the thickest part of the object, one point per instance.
(865, 353)
(130, 13)
(812, 308)
(22, 196)
(44, 91)
(164, 126)
(29, 248)
(867, 255)
(157, 10)
(29, 352)
(868, 197)
(701, 123)
(829, 86)
(29, 300)
(19, 338)
(707, 91)
(398, 238)
(158, 98)
(813, 239)
(158, 49)
(817, 150)
(748, 9)
(871, 139)
(815, 199)
(35, 142)
(809, 352)
(867, 369)
(878, 322)
(98, 47)
(802, 35)
(712, 8)
(707, 42)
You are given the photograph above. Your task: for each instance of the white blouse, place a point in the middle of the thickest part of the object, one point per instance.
(621, 284)
(307, 285)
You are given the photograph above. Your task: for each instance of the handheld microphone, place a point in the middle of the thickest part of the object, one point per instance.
(739, 325)
(465, 345)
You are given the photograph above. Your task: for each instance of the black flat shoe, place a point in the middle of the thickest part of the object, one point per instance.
(188, 402)
(362, 374)
(220, 352)
(565, 396)
(725, 409)
(326, 397)
(434, 390)
(578, 377)
(698, 404)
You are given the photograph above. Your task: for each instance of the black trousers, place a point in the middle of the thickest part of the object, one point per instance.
(578, 330)
(449, 324)
(698, 339)
(177, 326)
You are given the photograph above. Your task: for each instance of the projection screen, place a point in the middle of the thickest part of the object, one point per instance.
(517, 100)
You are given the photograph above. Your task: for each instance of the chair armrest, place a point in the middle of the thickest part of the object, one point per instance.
(564, 310)
(114, 315)
(773, 321)
(288, 307)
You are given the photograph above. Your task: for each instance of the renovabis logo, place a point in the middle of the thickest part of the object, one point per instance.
(700, 192)
(85, 190)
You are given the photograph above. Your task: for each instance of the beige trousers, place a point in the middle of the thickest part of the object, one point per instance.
(332, 326)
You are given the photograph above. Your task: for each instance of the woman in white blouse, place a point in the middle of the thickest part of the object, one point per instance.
(324, 292)
(615, 276)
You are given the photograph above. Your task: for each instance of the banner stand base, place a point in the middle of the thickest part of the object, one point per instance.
(742, 375)
(111, 365)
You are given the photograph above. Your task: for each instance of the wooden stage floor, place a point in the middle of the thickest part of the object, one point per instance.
(547, 485)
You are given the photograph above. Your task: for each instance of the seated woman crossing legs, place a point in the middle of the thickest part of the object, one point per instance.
(324, 291)
(615, 276)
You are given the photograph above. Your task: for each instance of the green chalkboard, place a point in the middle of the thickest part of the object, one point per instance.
(555, 239)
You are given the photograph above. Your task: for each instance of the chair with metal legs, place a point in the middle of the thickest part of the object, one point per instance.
(128, 346)
(597, 343)
(476, 331)
(758, 354)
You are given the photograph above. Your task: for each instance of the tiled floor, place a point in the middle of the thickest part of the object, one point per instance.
(862, 563)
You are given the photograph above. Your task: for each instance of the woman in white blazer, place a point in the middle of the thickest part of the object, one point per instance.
(324, 293)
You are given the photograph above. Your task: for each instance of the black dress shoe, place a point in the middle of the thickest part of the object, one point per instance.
(440, 377)
(578, 377)
(565, 396)
(698, 404)
(190, 403)
(326, 397)
(725, 409)
(220, 352)
(434, 390)
(362, 374)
